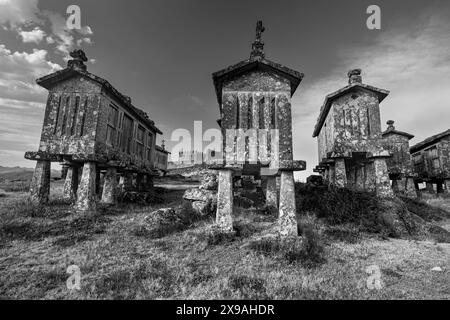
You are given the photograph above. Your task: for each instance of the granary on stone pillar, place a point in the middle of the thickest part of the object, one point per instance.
(431, 161)
(161, 159)
(254, 99)
(399, 165)
(348, 131)
(90, 127)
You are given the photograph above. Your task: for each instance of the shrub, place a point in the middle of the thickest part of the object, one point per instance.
(424, 210)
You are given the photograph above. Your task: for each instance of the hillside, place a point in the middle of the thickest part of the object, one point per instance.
(21, 174)
(127, 252)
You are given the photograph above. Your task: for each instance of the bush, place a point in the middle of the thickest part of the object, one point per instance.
(424, 210)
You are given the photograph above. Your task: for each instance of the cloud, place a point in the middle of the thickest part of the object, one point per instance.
(22, 101)
(15, 13)
(36, 35)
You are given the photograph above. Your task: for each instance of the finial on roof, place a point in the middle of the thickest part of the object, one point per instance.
(79, 58)
(258, 46)
(354, 76)
(390, 124)
(163, 146)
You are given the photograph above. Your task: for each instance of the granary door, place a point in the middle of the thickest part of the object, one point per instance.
(127, 135)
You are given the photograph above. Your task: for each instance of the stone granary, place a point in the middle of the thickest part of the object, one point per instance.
(254, 99)
(90, 128)
(351, 152)
(431, 159)
(161, 159)
(400, 164)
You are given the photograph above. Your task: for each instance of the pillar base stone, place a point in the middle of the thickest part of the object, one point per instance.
(86, 190)
(287, 219)
(224, 215)
(71, 184)
(110, 186)
(40, 183)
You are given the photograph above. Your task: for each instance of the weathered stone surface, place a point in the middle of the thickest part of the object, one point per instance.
(287, 218)
(110, 186)
(196, 194)
(447, 186)
(87, 120)
(272, 192)
(340, 174)
(430, 187)
(71, 184)
(255, 100)
(86, 190)
(383, 186)
(209, 181)
(205, 208)
(410, 188)
(40, 183)
(224, 215)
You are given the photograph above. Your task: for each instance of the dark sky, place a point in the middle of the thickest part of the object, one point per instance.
(162, 54)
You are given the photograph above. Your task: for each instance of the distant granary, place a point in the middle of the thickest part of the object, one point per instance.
(254, 99)
(348, 131)
(91, 128)
(161, 159)
(400, 166)
(431, 159)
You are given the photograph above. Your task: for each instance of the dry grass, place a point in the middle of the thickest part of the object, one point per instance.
(38, 245)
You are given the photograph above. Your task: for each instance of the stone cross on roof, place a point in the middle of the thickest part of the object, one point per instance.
(258, 46)
(259, 30)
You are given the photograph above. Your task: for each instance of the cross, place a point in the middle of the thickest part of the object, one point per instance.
(259, 30)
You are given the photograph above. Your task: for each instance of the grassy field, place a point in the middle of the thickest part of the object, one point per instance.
(120, 259)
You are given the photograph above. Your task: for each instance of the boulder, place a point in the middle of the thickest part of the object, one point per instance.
(196, 194)
(209, 181)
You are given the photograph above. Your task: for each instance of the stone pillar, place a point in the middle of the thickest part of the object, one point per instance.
(382, 181)
(97, 181)
(110, 186)
(410, 188)
(440, 187)
(446, 186)
(287, 219)
(64, 170)
(86, 191)
(139, 182)
(430, 188)
(271, 192)
(395, 188)
(402, 184)
(331, 175)
(340, 175)
(360, 181)
(71, 184)
(127, 181)
(40, 183)
(369, 183)
(149, 182)
(224, 215)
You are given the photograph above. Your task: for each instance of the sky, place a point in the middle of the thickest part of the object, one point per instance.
(162, 55)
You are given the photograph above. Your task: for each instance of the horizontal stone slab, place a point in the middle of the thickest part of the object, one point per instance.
(292, 165)
(43, 156)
